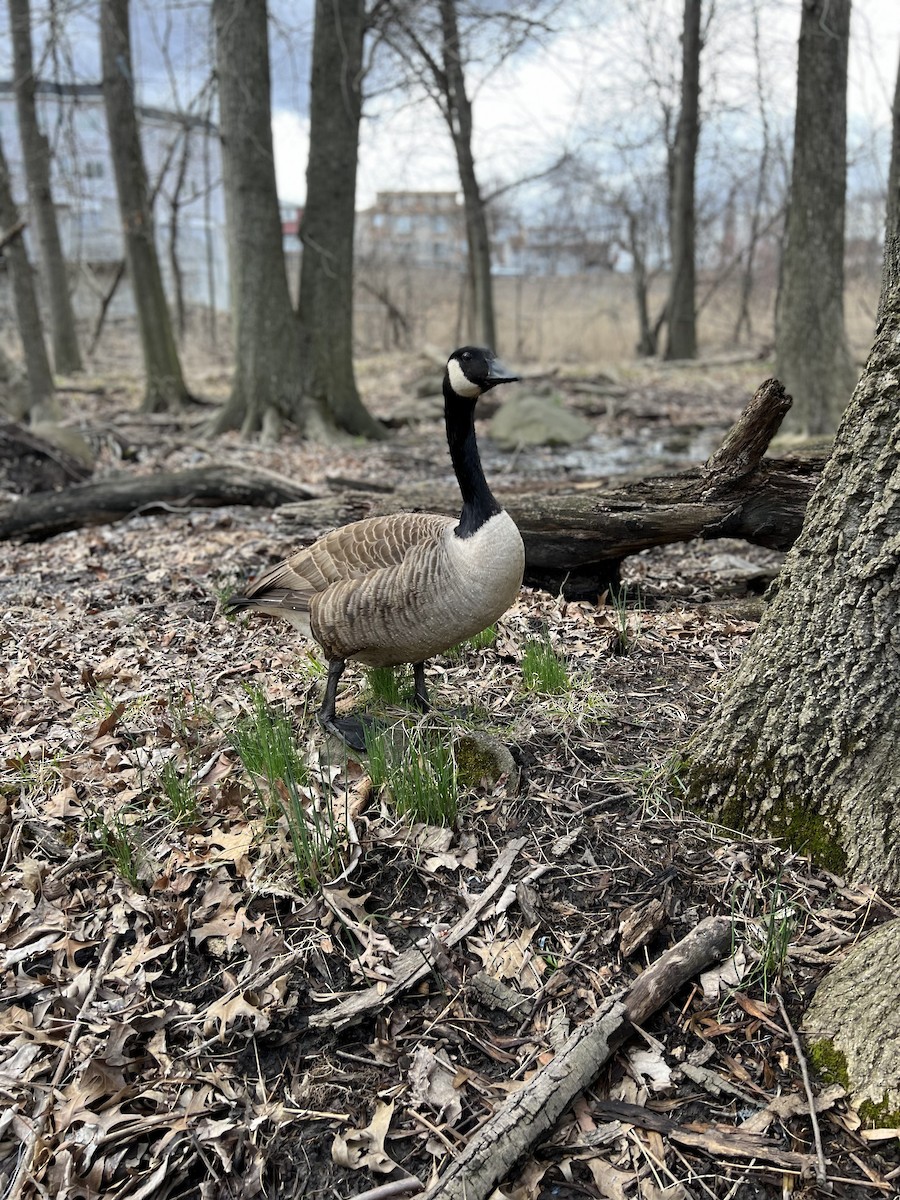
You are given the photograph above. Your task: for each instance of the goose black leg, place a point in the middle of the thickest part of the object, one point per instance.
(420, 690)
(351, 730)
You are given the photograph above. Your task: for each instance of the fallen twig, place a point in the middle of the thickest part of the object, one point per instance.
(529, 1113)
(821, 1165)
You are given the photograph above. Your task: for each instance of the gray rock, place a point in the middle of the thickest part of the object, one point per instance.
(536, 420)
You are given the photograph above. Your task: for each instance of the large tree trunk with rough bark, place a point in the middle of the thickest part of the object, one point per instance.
(813, 360)
(165, 388)
(268, 380)
(41, 396)
(804, 745)
(458, 114)
(326, 231)
(36, 153)
(682, 316)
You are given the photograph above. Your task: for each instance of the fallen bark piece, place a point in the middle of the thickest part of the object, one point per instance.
(106, 500)
(531, 1112)
(412, 964)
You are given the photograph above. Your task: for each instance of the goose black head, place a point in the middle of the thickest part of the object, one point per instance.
(473, 370)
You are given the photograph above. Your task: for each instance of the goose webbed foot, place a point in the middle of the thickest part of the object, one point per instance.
(351, 730)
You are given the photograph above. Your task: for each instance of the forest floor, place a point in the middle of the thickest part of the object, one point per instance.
(168, 970)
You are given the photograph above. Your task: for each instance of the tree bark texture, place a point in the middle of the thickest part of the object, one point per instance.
(813, 359)
(36, 154)
(41, 403)
(682, 339)
(805, 743)
(458, 114)
(326, 231)
(268, 378)
(853, 1024)
(165, 388)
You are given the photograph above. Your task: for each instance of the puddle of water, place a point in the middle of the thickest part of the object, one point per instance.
(650, 452)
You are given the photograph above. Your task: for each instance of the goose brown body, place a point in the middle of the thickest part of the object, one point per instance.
(396, 589)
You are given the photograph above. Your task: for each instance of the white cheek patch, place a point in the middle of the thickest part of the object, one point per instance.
(458, 381)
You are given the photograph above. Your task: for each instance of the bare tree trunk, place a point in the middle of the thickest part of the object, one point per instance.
(682, 318)
(482, 326)
(174, 212)
(267, 386)
(36, 153)
(890, 276)
(744, 318)
(326, 276)
(810, 344)
(804, 745)
(165, 387)
(649, 334)
(42, 403)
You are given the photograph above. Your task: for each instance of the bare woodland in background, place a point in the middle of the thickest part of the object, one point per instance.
(604, 247)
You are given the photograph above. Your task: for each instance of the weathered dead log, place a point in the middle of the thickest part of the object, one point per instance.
(31, 463)
(531, 1112)
(577, 539)
(48, 513)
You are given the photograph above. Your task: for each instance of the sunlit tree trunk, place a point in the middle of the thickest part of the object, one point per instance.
(41, 403)
(36, 153)
(165, 387)
(326, 231)
(682, 316)
(813, 361)
(267, 385)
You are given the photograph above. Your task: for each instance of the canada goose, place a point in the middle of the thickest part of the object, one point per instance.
(402, 588)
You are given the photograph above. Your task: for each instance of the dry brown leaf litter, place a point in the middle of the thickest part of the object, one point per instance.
(188, 1068)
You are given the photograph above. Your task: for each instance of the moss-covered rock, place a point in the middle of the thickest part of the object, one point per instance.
(481, 761)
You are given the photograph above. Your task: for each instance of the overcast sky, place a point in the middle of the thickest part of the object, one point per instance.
(581, 90)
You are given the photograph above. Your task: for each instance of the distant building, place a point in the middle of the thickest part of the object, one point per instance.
(182, 155)
(424, 229)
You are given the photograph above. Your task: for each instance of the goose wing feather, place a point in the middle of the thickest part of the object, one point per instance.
(350, 552)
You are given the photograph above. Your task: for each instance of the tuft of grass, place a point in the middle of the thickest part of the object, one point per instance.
(181, 794)
(543, 670)
(478, 641)
(627, 623)
(264, 742)
(115, 837)
(383, 685)
(417, 770)
(769, 936)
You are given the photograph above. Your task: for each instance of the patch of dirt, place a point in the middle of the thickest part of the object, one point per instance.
(168, 977)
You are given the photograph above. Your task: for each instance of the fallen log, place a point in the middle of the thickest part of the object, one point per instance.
(534, 1109)
(576, 540)
(47, 513)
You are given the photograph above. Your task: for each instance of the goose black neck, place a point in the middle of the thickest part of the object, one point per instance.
(479, 504)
